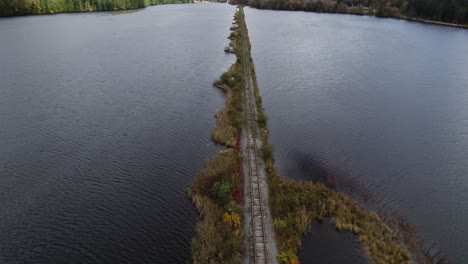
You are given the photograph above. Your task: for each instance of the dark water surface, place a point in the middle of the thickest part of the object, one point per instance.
(379, 104)
(327, 246)
(104, 121)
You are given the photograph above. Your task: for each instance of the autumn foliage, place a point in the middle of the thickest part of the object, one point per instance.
(232, 219)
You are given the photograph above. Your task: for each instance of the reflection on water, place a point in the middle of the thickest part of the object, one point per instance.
(123, 12)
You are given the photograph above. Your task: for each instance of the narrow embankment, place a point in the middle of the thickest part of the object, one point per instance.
(258, 227)
(240, 181)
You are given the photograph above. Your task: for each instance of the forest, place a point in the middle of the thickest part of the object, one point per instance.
(32, 7)
(449, 11)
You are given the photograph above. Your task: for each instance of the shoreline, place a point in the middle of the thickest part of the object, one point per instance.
(410, 19)
(433, 22)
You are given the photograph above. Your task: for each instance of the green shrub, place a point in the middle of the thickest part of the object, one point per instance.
(267, 152)
(262, 120)
(221, 191)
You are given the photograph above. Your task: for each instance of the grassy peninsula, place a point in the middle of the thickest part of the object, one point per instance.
(216, 193)
(35, 7)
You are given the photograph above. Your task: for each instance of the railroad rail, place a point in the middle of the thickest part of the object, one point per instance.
(258, 241)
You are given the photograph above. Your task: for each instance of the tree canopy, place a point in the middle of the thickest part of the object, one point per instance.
(30, 7)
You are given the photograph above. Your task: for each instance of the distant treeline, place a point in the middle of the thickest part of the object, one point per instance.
(31, 7)
(449, 11)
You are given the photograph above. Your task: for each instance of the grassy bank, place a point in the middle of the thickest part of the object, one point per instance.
(35, 7)
(217, 190)
(296, 206)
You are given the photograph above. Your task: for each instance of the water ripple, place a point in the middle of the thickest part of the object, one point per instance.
(100, 138)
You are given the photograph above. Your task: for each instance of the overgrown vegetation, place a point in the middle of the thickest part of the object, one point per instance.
(295, 206)
(31, 7)
(217, 190)
(216, 195)
(229, 119)
(448, 11)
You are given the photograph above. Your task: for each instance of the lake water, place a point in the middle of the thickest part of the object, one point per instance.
(104, 121)
(377, 108)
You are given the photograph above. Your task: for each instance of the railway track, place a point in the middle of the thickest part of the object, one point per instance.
(259, 250)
